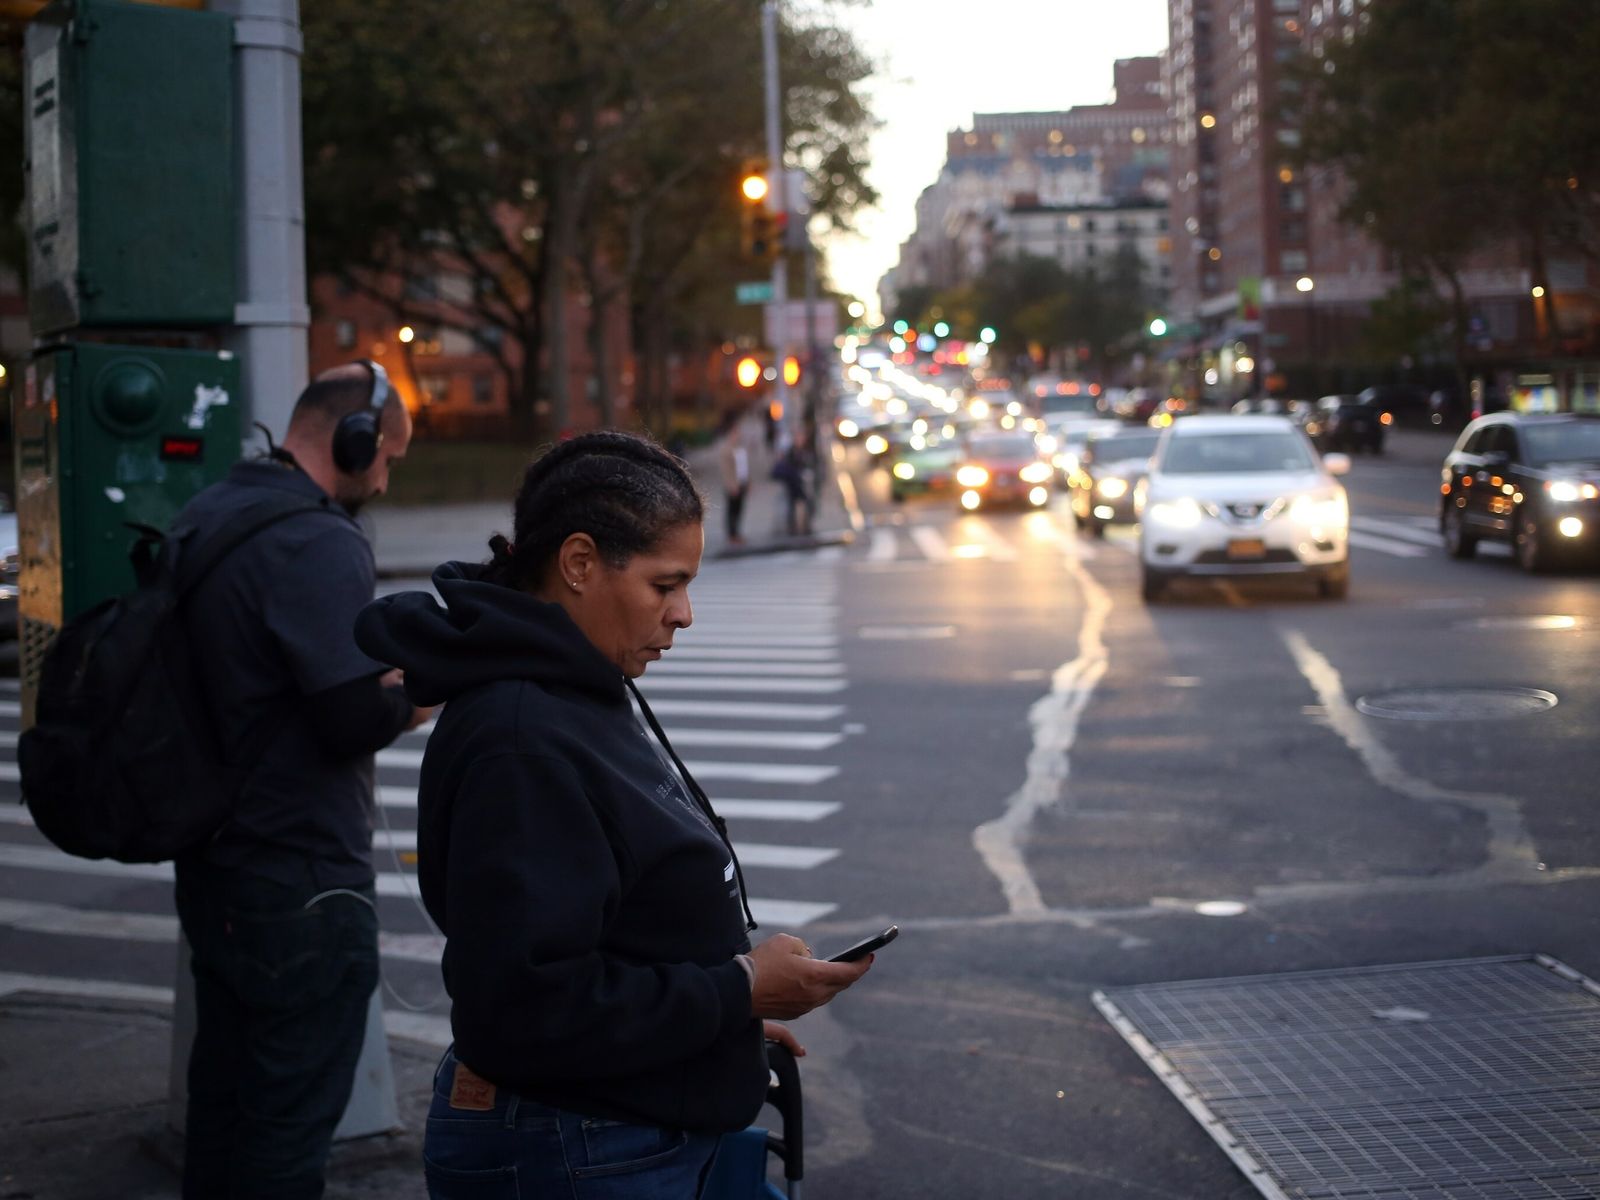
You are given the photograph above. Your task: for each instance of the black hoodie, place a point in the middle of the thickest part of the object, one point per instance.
(591, 911)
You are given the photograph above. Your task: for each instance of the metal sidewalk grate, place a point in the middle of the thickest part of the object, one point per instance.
(1469, 1080)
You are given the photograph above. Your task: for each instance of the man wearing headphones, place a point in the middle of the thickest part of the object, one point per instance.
(279, 907)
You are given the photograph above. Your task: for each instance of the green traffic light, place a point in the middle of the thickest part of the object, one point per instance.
(900, 327)
(1158, 327)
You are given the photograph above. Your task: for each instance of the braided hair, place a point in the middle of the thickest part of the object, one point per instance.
(624, 491)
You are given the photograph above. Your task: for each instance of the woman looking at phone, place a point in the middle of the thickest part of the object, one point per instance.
(609, 1013)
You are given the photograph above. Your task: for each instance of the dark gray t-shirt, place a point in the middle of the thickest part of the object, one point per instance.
(272, 624)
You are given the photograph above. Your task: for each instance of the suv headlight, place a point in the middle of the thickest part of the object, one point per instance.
(1180, 514)
(1113, 487)
(972, 476)
(1038, 472)
(1564, 491)
(1328, 510)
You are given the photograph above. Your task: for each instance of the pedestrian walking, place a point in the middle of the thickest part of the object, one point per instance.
(607, 1006)
(278, 907)
(792, 469)
(733, 458)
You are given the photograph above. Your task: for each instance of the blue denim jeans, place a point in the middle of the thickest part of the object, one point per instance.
(515, 1149)
(281, 993)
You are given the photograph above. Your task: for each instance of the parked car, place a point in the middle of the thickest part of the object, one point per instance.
(1003, 468)
(1348, 423)
(1229, 496)
(1109, 472)
(1531, 480)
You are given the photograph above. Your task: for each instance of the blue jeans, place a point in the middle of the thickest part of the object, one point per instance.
(281, 994)
(519, 1150)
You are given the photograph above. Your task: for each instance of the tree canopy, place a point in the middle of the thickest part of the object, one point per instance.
(547, 148)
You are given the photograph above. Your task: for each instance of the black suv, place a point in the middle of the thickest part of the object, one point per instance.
(1532, 480)
(1348, 423)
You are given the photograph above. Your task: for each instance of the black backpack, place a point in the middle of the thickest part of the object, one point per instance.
(123, 760)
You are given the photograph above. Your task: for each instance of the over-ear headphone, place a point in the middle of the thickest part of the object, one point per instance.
(358, 435)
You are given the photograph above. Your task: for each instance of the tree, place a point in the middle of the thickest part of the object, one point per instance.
(547, 148)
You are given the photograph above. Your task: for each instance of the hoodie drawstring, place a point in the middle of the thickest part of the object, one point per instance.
(700, 798)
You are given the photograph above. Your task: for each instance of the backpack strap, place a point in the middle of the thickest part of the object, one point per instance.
(256, 519)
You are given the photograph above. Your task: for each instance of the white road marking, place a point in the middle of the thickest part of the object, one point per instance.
(996, 546)
(884, 546)
(1406, 533)
(755, 739)
(10, 708)
(10, 685)
(734, 683)
(1369, 541)
(777, 810)
(788, 914)
(930, 543)
(698, 637)
(781, 670)
(690, 652)
(799, 774)
(738, 710)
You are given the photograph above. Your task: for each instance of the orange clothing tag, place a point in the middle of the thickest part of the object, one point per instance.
(471, 1091)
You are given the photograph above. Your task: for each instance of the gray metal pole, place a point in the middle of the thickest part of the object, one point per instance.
(272, 317)
(779, 186)
(271, 320)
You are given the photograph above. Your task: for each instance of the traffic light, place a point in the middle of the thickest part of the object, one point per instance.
(760, 228)
(791, 370)
(748, 372)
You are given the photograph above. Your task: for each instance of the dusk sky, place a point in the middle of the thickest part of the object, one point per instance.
(941, 61)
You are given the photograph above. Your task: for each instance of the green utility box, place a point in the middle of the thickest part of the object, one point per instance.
(105, 436)
(130, 152)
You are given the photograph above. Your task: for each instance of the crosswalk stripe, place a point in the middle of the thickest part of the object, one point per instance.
(1368, 541)
(47, 858)
(830, 554)
(751, 854)
(787, 914)
(929, 542)
(693, 653)
(10, 685)
(800, 774)
(733, 683)
(755, 739)
(777, 810)
(883, 545)
(10, 708)
(994, 546)
(783, 670)
(10, 773)
(1408, 533)
(786, 606)
(696, 638)
(738, 710)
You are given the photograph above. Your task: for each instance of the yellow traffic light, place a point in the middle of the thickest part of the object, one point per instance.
(791, 370)
(748, 372)
(760, 229)
(754, 188)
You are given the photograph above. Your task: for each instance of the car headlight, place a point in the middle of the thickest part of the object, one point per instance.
(848, 428)
(877, 444)
(971, 476)
(1180, 514)
(1564, 491)
(1038, 472)
(904, 470)
(1329, 510)
(1112, 487)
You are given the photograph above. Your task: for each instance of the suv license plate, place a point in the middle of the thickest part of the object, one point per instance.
(1247, 548)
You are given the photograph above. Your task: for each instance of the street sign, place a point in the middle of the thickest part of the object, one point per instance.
(753, 293)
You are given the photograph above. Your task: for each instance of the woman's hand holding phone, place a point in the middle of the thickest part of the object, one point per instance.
(789, 983)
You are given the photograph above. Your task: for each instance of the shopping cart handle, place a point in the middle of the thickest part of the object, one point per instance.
(784, 1095)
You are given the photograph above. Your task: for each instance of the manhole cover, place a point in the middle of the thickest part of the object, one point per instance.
(1456, 704)
(905, 633)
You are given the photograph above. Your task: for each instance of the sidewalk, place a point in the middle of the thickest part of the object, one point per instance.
(410, 541)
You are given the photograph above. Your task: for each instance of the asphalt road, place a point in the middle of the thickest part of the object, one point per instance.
(973, 727)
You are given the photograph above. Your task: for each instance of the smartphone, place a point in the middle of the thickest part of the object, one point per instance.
(861, 949)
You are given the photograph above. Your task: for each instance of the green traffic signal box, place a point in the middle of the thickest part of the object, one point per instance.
(108, 436)
(131, 213)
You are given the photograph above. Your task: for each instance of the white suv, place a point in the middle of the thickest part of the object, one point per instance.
(1229, 495)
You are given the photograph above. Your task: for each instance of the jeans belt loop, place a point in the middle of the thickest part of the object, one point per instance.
(511, 1110)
